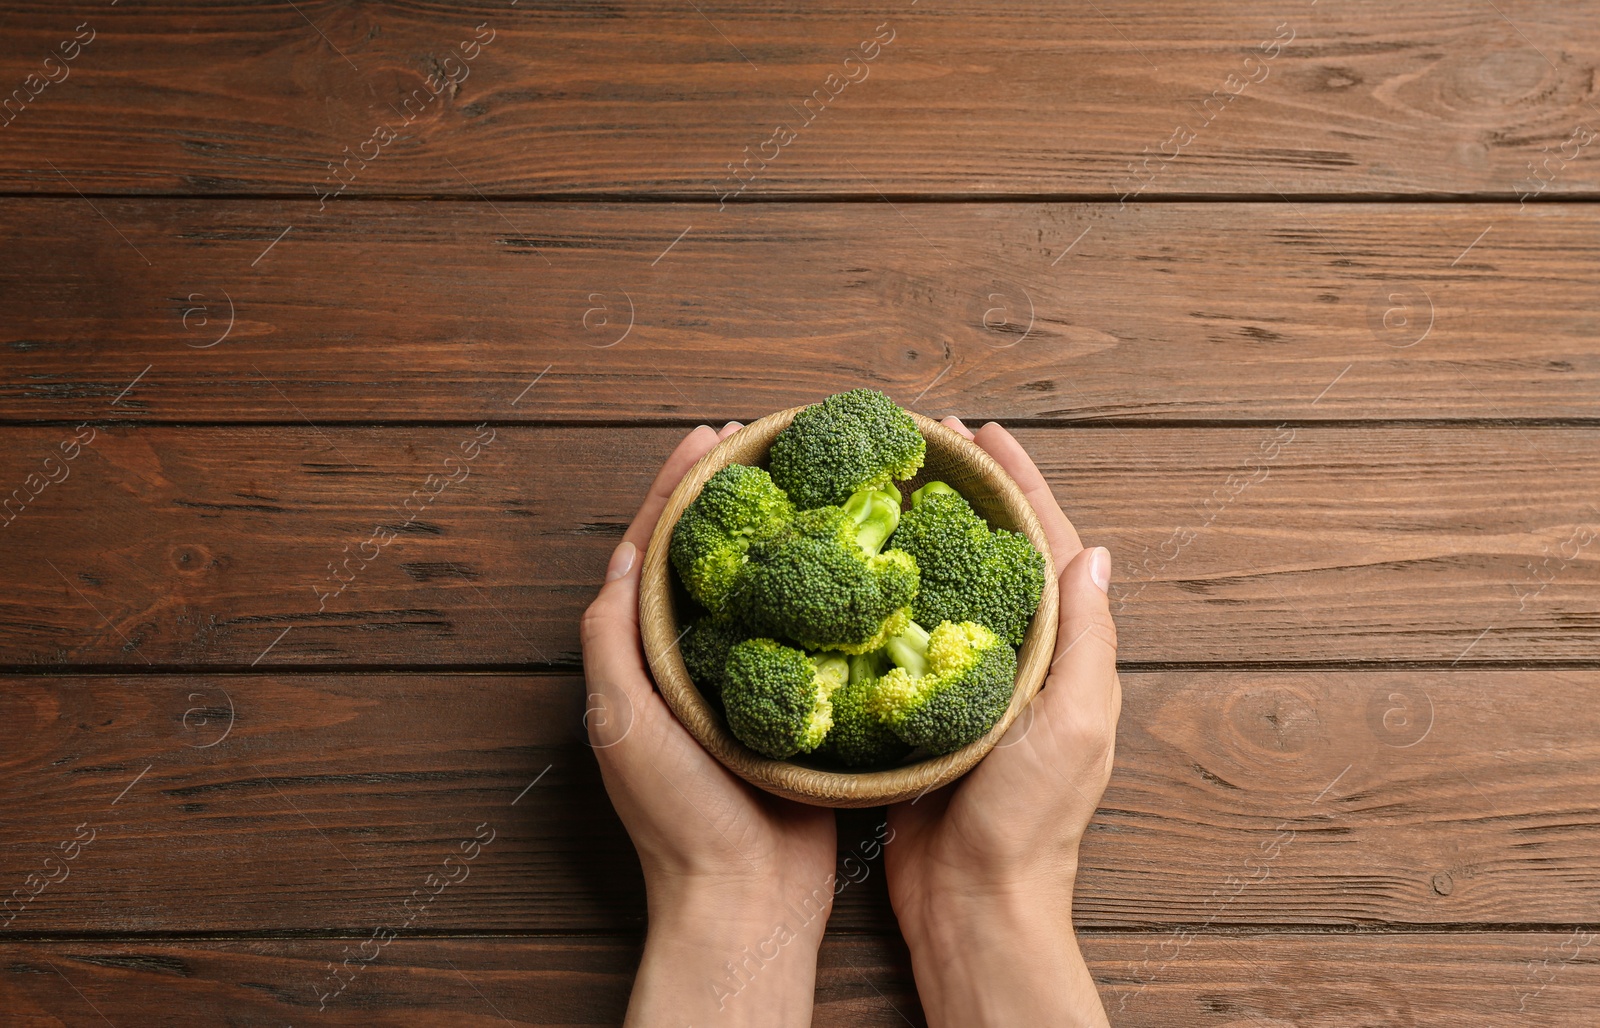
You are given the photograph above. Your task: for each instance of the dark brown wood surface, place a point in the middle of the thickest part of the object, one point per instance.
(1027, 312)
(1214, 980)
(1006, 99)
(1238, 799)
(174, 545)
(310, 458)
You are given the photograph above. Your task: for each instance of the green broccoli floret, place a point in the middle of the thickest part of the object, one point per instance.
(1012, 582)
(858, 738)
(951, 685)
(968, 572)
(736, 506)
(821, 580)
(848, 442)
(705, 647)
(777, 698)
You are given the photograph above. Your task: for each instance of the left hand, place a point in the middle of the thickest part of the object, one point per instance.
(726, 866)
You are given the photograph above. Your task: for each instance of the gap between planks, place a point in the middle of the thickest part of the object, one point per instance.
(1231, 931)
(697, 199)
(511, 669)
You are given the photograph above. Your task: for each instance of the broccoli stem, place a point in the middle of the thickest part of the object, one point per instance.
(931, 489)
(877, 514)
(865, 667)
(909, 649)
(832, 670)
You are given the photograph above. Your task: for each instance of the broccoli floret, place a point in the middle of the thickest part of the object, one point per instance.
(848, 442)
(821, 580)
(1012, 582)
(949, 687)
(968, 572)
(858, 738)
(948, 541)
(777, 698)
(705, 649)
(736, 506)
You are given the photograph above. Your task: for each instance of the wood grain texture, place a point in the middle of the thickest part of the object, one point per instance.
(286, 545)
(325, 802)
(290, 349)
(645, 312)
(1494, 980)
(1009, 98)
(861, 981)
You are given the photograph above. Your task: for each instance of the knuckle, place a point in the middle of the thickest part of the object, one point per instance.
(1105, 736)
(1097, 738)
(1094, 628)
(1094, 750)
(596, 620)
(1104, 629)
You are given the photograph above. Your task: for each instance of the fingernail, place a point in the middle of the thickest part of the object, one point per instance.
(735, 425)
(621, 561)
(955, 423)
(1100, 568)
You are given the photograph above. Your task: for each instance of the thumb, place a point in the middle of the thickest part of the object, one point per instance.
(613, 658)
(1083, 685)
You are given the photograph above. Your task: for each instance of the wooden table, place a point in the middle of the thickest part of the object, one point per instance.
(1295, 303)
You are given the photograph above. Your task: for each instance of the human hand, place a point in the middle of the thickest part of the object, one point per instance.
(981, 872)
(731, 873)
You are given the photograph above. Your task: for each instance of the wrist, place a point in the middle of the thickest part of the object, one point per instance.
(948, 920)
(946, 903)
(730, 952)
(1000, 953)
(718, 908)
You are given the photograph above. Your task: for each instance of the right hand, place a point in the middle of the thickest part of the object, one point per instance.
(993, 857)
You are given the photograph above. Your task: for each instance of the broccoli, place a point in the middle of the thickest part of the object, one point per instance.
(705, 647)
(736, 506)
(1008, 593)
(858, 738)
(777, 698)
(848, 442)
(821, 580)
(950, 685)
(968, 572)
(818, 588)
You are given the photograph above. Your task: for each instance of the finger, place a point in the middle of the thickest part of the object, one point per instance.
(609, 631)
(954, 423)
(630, 727)
(1083, 689)
(728, 429)
(1005, 449)
(694, 446)
(613, 660)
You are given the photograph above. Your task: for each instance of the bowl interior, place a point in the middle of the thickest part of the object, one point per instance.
(951, 458)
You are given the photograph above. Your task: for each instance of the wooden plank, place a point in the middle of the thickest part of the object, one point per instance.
(1496, 980)
(651, 312)
(1006, 98)
(322, 802)
(368, 547)
(410, 982)
(1493, 980)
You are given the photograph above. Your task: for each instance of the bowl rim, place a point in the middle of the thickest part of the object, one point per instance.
(660, 631)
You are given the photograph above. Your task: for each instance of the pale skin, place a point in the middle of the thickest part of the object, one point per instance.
(980, 872)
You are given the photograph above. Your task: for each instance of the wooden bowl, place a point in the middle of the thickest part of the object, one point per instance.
(951, 458)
